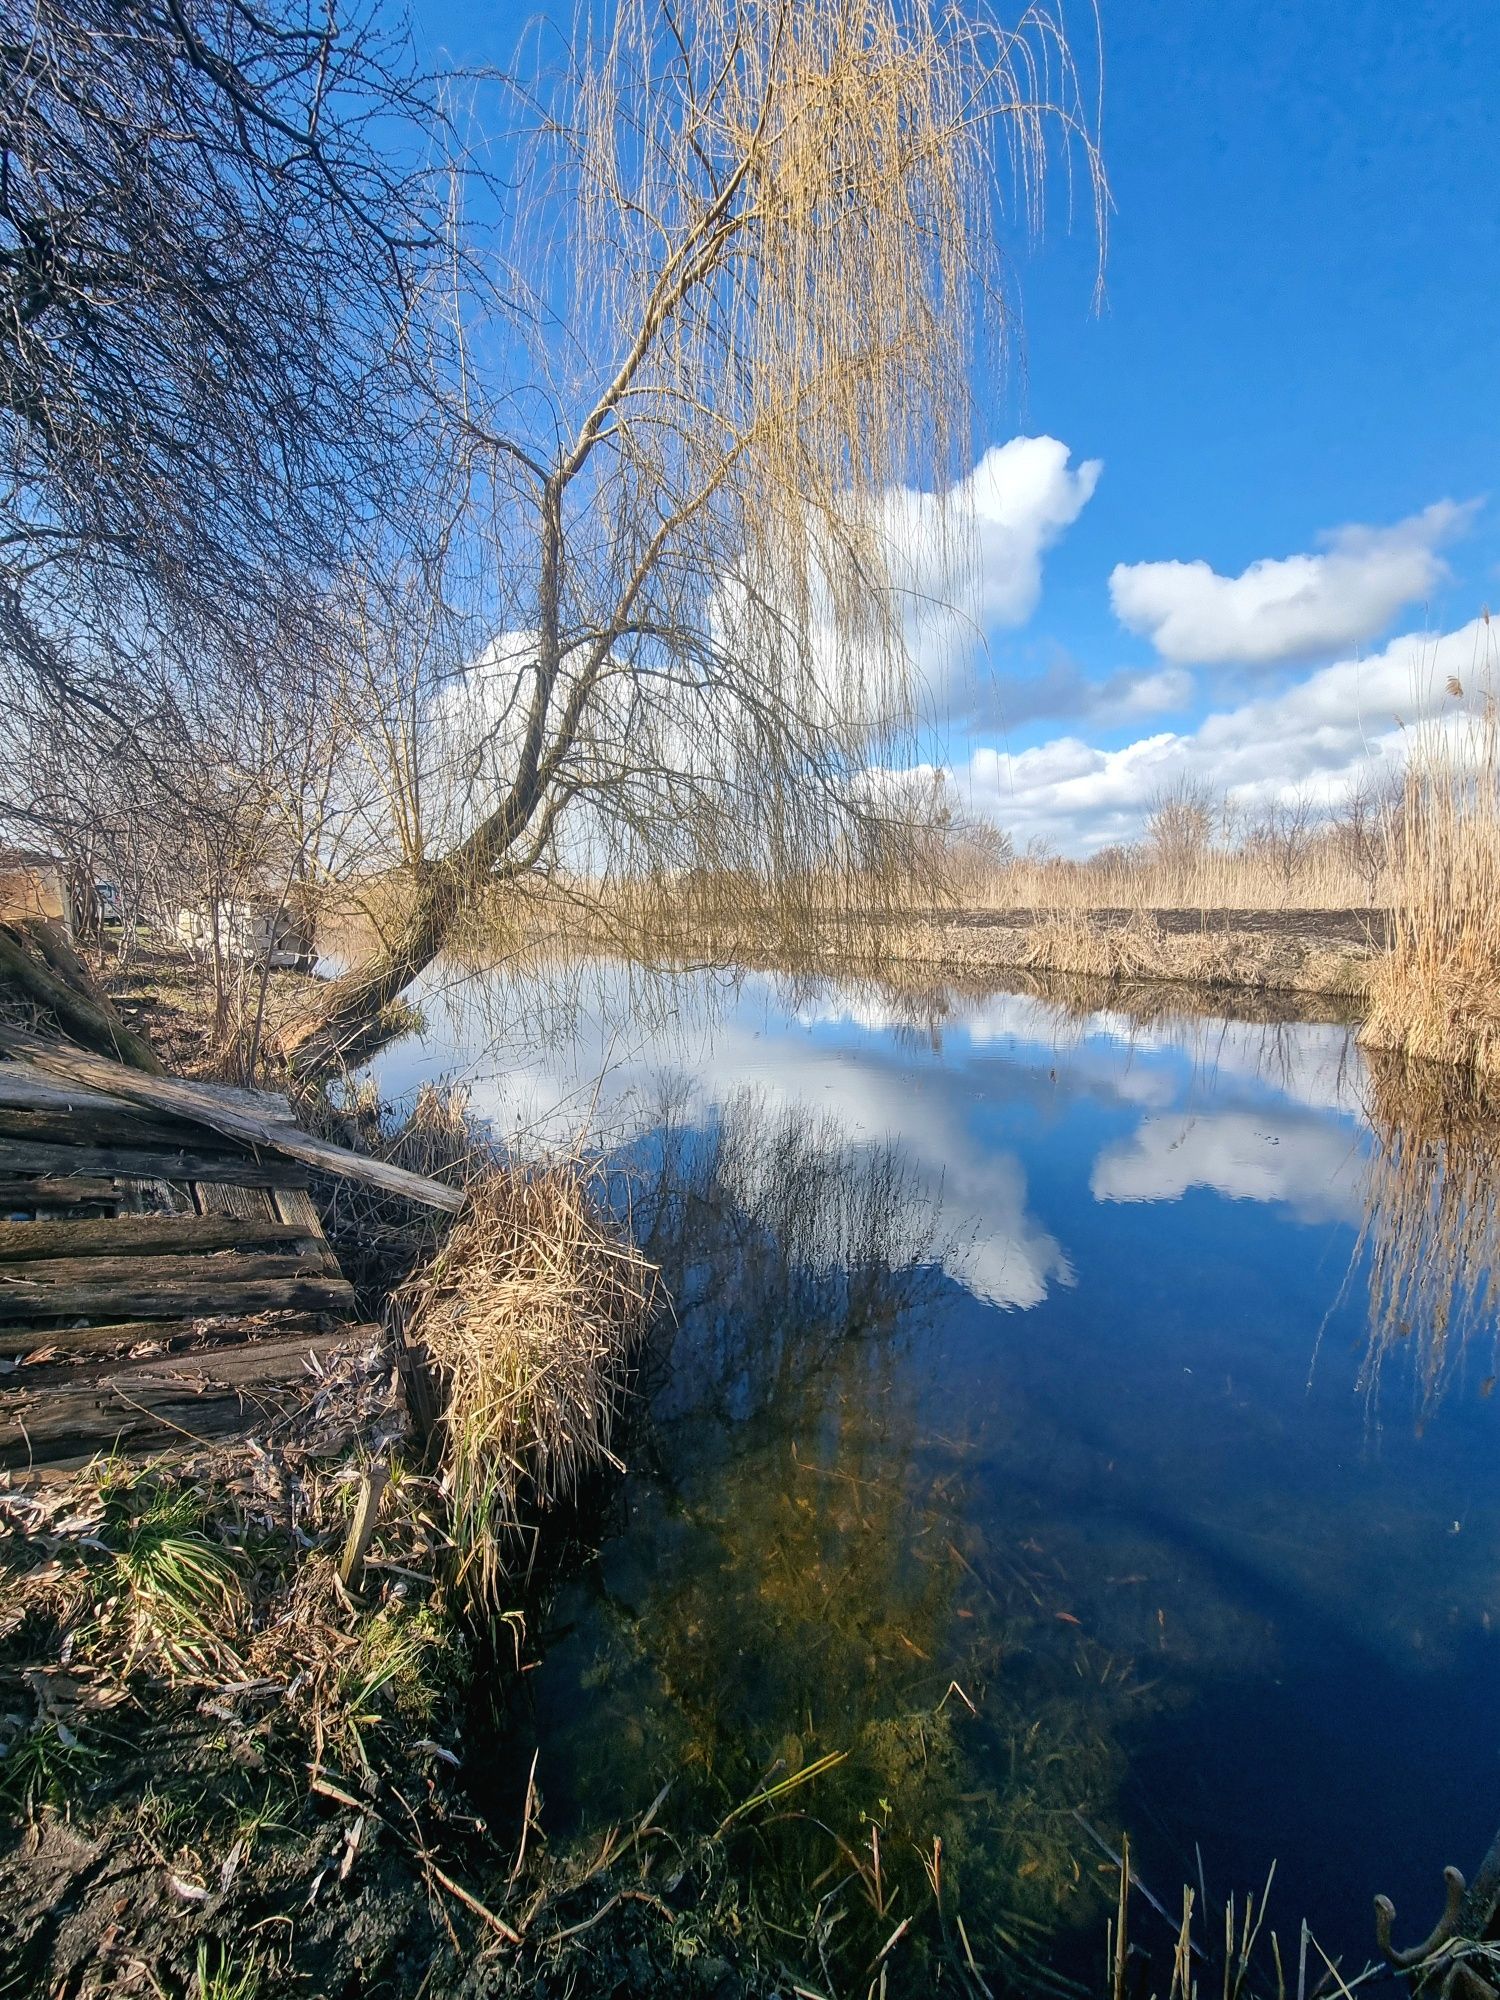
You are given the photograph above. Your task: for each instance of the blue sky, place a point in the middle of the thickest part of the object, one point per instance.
(1302, 326)
(1300, 335)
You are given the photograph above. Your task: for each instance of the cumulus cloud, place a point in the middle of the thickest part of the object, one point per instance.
(1287, 609)
(970, 565)
(1313, 739)
(1301, 1162)
(1062, 690)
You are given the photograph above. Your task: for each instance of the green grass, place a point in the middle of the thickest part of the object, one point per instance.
(180, 1590)
(218, 1977)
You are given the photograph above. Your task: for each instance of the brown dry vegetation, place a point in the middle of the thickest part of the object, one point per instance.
(528, 1313)
(1329, 952)
(1432, 1225)
(1436, 993)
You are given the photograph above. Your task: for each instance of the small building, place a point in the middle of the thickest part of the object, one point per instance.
(255, 930)
(37, 885)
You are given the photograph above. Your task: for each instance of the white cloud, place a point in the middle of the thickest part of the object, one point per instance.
(1063, 689)
(970, 564)
(1293, 608)
(1313, 739)
(1303, 1162)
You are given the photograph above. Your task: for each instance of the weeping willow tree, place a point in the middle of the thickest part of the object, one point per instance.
(727, 314)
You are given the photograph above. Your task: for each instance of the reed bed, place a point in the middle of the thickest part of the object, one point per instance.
(1080, 944)
(1323, 877)
(1111, 945)
(1432, 1226)
(528, 1314)
(1436, 995)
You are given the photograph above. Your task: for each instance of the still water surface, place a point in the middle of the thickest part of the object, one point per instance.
(1107, 1523)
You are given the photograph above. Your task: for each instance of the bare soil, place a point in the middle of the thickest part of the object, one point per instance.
(1369, 929)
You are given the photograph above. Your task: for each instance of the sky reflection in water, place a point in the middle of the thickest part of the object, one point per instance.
(1117, 1478)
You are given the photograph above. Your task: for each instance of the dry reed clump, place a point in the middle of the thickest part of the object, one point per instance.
(1436, 995)
(1074, 943)
(528, 1312)
(1432, 1225)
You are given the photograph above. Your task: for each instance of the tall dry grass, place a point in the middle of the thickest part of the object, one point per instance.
(1078, 943)
(1215, 878)
(1199, 849)
(528, 1313)
(1436, 995)
(1432, 1226)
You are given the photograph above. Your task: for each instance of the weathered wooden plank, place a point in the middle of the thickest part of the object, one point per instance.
(111, 1337)
(32, 1156)
(24, 1087)
(61, 1276)
(199, 1291)
(47, 1192)
(92, 1019)
(116, 1126)
(36, 1086)
(217, 1199)
(279, 1352)
(297, 1206)
(179, 1098)
(144, 1236)
(158, 1403)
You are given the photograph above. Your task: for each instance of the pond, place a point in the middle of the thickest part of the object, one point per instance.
(1149, 1484)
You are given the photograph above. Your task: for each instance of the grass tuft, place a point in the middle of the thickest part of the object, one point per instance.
(529, 1313)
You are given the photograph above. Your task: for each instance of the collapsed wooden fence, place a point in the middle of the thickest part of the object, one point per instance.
(163, 1272)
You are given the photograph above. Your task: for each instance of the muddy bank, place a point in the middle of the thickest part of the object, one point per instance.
(229, 1759)
(1328, 952)
(231, 1751)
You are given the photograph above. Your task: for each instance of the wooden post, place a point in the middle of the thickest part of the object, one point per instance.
(362, 1527)
(423, 1403)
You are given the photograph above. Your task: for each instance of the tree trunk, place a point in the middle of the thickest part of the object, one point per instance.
(352, 1016)
(55, 977)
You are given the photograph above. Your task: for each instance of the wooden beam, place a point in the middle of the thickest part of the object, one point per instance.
(120, 1125)
(160, 1403)
(93, 1021)
(110, 1338)
(59, 1276)
(142, 1163)
(214, 1198)
(296, 1205)
(282, 1350)
(176, 1097)
(143, 1236)
(73, 1192)
(194, 1287)
(24, 1087)
(74, 1110)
